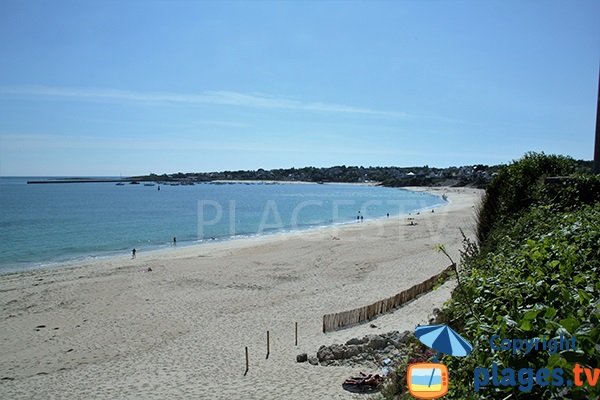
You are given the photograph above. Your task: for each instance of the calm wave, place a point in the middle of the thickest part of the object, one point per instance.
(53, 223)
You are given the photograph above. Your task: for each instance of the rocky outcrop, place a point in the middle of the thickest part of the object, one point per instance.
(368, 350)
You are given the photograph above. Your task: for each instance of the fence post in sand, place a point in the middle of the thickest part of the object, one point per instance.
(296, 342)
(268, 347)
(246, 361)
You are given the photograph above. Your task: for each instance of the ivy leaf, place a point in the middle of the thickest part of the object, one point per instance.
(531, 315)
(526, 325)
(550, 312)
(570, 324)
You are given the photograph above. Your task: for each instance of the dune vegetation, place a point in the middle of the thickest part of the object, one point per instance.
(532, 273)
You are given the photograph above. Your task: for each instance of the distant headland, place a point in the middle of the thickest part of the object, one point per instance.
(477, 175)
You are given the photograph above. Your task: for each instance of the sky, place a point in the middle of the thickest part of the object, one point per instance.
(109, 88)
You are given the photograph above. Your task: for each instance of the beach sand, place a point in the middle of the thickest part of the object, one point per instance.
(110, 330)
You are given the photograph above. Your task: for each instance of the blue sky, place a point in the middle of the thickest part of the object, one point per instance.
(132, 87)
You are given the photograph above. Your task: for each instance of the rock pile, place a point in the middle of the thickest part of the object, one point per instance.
(370, 350)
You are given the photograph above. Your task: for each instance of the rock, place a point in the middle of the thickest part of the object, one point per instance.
(357, 341)
(41, 326)
(364, 348)
(301, 357)
(373, 326)
(324, 354)
(338, 351)
(396, 338)
(368, 351)
(376, 342)
(351, 351)
(390, 349)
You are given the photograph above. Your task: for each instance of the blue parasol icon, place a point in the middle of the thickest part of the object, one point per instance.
(443, 339)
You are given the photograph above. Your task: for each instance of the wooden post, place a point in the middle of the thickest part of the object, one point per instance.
(296, 342)
(268, 347)
(246, 361)
(597, 143)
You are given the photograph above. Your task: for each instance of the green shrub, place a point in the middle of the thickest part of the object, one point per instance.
(541, 280)
(518, 186)
(572, 192)
(534, 273)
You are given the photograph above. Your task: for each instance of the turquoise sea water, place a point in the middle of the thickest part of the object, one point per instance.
(42, 225)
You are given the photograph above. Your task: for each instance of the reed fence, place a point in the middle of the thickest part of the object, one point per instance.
(332, 322)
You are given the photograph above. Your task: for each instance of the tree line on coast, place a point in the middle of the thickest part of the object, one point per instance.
(478, 175)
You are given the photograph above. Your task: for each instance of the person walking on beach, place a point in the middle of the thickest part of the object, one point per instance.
(174, 240)
(133, 254)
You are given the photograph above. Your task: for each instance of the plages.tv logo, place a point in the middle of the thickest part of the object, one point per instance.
(427, 380)
(430, 380)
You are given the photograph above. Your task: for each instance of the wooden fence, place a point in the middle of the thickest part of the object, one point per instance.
(332, 322)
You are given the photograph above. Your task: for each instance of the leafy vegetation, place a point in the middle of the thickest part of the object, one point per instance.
(516, 187)
(534, 273)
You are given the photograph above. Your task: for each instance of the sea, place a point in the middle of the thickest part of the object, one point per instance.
(47, 225)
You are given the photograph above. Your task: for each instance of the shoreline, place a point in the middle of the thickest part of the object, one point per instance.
(110, 329)
(273, 182)
(109, 255)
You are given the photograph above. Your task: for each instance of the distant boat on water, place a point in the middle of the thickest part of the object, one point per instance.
(149, 184)
(120, 184)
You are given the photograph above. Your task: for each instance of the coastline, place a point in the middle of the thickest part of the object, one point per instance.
(182, 328)
(272, 182)
(123, 255)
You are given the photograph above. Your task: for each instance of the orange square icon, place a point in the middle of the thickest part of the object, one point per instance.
(427, 380)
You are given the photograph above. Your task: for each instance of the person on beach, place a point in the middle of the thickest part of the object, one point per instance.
(361, 218)
(174, 240)
(133, 254)
(388, 215)
(364, 379)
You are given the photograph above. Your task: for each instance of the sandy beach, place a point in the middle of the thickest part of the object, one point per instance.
(111, 330)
